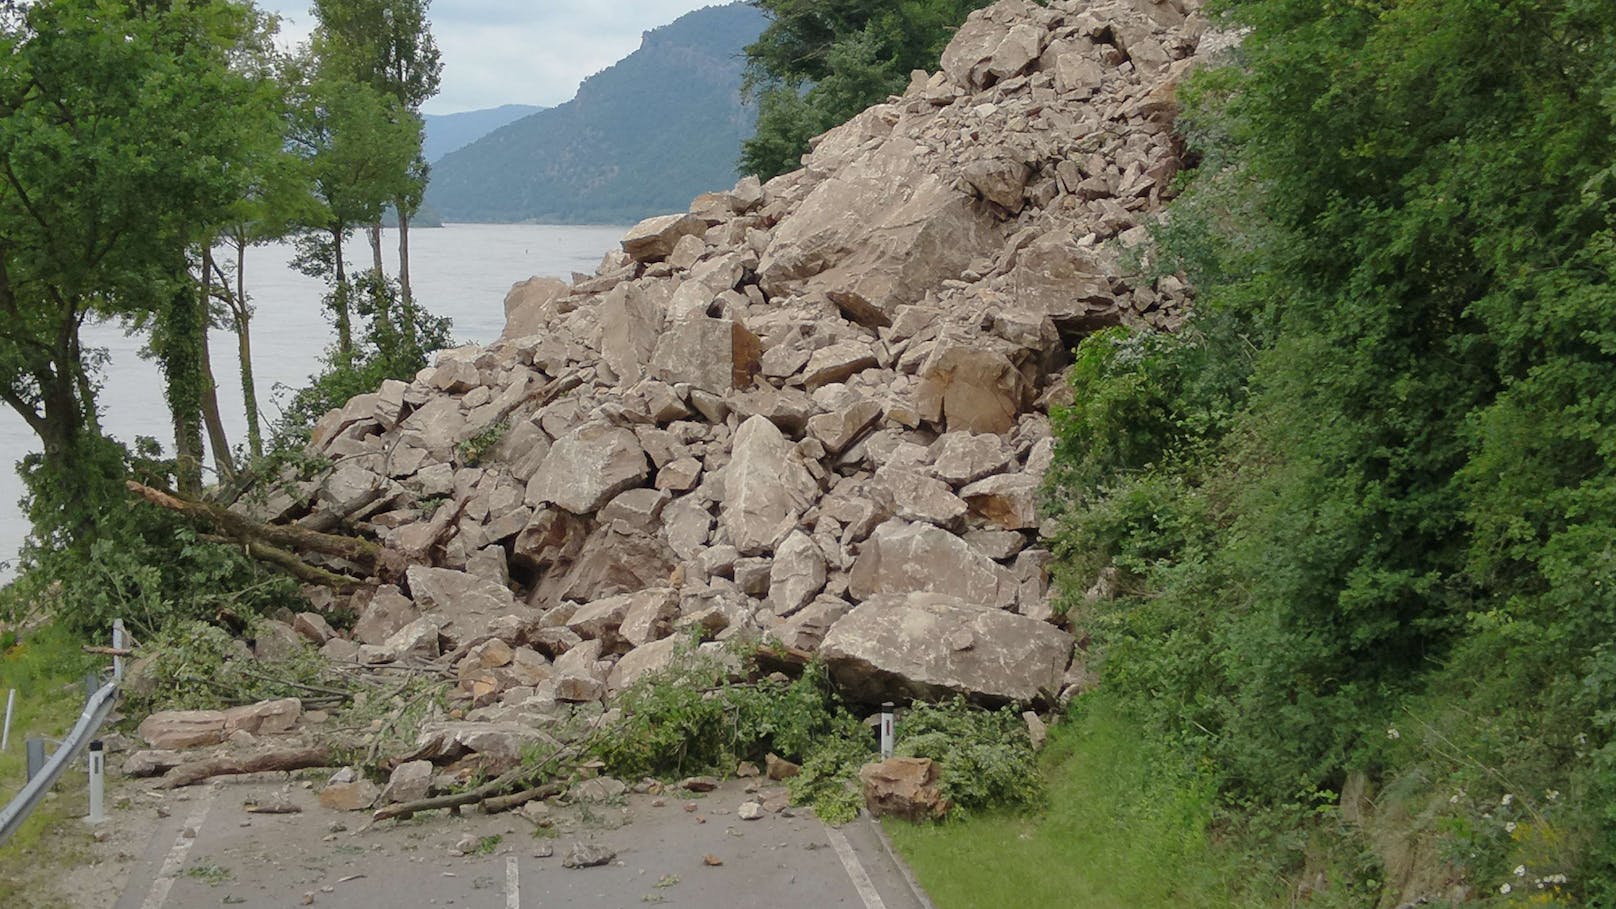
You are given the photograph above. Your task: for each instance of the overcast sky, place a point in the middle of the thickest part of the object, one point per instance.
(521, 51)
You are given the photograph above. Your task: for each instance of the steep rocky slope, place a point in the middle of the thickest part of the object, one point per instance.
(813, 410)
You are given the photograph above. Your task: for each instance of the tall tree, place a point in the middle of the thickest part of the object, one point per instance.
(388, 45)
(115, 120)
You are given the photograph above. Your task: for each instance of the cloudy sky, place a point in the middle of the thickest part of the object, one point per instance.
(521, 51)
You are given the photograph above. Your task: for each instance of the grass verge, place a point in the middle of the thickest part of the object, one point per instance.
(46, 669)
(1120, 827)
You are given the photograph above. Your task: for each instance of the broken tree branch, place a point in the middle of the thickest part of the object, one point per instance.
(383, 563)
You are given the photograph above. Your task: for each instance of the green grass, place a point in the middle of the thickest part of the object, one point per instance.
(46, 669)
(1120, 828)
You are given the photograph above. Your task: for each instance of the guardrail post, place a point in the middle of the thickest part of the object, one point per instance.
(887, 733)
(98, 768)
(36, 755)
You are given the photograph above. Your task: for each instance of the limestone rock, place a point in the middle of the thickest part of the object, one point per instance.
(929, 646)
(966, 387)
(901, 557)
(527, 305)
(714, 355)
(766, 487)
(653, 239)
(347, 790)
(588, 466)
(264, 718)
(1009, 500)
(175, 729)
(410, 781)
(904, 787)
(797, 574)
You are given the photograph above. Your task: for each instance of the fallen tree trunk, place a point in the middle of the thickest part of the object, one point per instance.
(193, 772)
(277, 544)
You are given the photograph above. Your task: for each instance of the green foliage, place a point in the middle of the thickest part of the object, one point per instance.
(692, 718)
(820, 62)
(986, 755)
(1375, 476)
(472, 451)
(195, 665)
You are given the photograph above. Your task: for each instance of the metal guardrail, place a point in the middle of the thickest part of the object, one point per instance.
(95, 713)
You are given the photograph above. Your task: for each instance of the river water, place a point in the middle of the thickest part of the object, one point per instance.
(461, 271)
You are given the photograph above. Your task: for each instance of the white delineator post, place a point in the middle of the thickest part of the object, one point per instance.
(98, 782)
(887, 737)
(5, 734)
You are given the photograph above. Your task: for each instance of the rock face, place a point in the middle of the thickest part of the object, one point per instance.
(931, 646)
(814, 409)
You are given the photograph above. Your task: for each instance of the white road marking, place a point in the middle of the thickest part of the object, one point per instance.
(513, 884)
(158, 894)
(855, 871)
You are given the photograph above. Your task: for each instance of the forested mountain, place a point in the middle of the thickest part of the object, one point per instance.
(642, 136)
(449, 132)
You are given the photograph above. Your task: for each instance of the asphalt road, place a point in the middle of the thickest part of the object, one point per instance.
(211, 852)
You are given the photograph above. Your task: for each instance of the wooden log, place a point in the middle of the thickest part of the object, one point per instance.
(193, 772)
(498, 803)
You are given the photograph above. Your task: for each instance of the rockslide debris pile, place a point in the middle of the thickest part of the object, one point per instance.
(813, 409)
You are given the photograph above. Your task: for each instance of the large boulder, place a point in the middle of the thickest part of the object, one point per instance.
(900, 557)
(716, 355)
(463, 605)
(587, 466)
(904, 787)
(653, 239)
(630, 323)
(966, 386)
(172, 729)
(528, 304)
(878, 234)
(929, 646)
(766, 487)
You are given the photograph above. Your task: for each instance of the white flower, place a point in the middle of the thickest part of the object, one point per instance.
(1509, 827)
(1520, 871)
(1504, 888)
(1553, 795)
(1507, 800)
(1393, 734)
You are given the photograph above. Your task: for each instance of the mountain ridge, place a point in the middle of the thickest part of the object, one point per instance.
(642, 136)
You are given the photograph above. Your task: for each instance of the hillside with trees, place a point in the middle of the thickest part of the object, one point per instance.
(641, 137)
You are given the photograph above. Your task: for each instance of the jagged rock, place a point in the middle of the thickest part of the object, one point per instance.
(313, 627)
(806, 629)
(928, 646)
(630, 322)
(588, 855)
(842, 427)
(1009, 500)
(999, 180)
(876, 235)
(653, 239)
(499, 745)
(778, 768)
(649, 616)
(837, 362)
(264, 718)
(588, 466)
(177, 729)
(964, 457)
(766, 487)
(275, 640)
(901, 557)
(643, 660)
(714, 355)
(527, 303)
(410, 781)
(463, 605)
(913, 496)
(347, 790)
(796, 575)
(417, 639)
(904, 787)
(966, 387)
